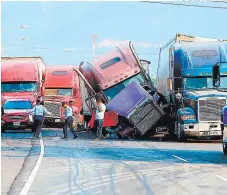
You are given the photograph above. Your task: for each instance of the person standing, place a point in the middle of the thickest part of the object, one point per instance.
(100, 111)
(68, 114)
(39, 112)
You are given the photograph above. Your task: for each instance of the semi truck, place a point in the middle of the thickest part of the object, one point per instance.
(61, 85)
(192, 76)
(110, 74)
(22, 79)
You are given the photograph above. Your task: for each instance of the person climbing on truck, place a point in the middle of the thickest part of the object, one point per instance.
(100, 111)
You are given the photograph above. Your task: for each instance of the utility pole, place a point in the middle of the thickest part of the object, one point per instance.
(94, 38)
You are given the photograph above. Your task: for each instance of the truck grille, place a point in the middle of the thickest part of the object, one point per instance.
(210, 109)
(146, 117)
(16, 117)
(54, 108)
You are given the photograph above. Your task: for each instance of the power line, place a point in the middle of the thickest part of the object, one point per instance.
(65, 50)
(187, 5)
(46, 48)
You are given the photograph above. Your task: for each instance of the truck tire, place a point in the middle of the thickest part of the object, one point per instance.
(33, 130)
(3, 130)
(225, 148)
(180, 133)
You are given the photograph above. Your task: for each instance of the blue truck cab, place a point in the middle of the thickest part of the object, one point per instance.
(192, 75)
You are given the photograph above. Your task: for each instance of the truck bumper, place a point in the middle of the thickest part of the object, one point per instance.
(21, 125)
(53, 120)
(203, 129)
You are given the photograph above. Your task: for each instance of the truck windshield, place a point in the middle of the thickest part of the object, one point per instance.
(19, 87)
(23, 105)
(204, 82)
(56, 92)
(110, 93)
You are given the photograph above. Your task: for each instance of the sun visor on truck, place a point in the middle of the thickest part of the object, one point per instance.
(127, 99)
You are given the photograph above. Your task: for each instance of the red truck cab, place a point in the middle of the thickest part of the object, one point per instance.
(22, 79)
(61, 85)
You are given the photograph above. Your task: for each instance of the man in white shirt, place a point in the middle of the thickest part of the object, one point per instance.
(68, 114)
(39, 112)
(100, 111)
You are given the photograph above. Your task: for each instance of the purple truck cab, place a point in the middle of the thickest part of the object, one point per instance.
(136, 104)
(225, 115)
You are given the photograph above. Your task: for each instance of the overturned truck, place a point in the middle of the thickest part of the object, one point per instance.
(120, 79)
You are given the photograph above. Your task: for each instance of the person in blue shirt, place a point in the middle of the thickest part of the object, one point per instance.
(39, 112)
(68, 115)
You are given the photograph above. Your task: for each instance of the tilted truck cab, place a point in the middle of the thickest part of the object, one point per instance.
(136, 104)
(185, 77)
(111, 74)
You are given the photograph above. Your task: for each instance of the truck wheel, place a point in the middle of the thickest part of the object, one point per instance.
(225, 148)
(33, 130)
(180, 133)
(3, 129)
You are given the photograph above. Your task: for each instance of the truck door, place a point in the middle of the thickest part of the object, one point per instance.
(110, 117)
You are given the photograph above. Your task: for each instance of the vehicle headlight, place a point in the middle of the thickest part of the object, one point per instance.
(187, 117)
(30, 118)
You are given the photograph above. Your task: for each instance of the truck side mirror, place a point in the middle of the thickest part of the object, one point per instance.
(169, 84)
(216, 75)
(42, 91)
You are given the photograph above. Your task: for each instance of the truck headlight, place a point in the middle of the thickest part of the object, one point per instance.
(187, 117)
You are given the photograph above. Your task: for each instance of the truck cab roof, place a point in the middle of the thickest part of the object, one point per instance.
(11, 66)
(109, 69)
(60, 77)
(201, 54)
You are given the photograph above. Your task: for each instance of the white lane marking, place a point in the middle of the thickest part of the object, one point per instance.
(31, 177)
(220, 177)
(179, 158)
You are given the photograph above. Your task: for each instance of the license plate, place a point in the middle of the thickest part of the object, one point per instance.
(213, 133)
(57, 120)
(16, 123)
(210, 133)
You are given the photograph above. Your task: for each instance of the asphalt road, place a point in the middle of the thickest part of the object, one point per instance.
(106, 167)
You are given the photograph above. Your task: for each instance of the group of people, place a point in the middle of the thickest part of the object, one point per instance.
(39, 112)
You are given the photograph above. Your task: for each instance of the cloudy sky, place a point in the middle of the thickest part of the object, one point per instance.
(61, 32)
